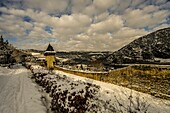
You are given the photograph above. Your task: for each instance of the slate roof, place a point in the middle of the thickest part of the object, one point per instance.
(49, 48)
(49, 51)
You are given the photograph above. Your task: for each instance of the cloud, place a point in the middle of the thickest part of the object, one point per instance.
(13, 25)
(136, 3)
(74, 20)
(149, 16)
(101, 42)
(129, 33)
(112, 24)
(150, 9)
(49, 6)
(158, 2)
(165, 6)
(79, 5)
(66, 23)
(99, 25)
(161, 27)
(98, 6)
(101, 17)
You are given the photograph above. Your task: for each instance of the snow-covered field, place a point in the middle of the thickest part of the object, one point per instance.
(69, 93)
(17, 92)
(76, 94)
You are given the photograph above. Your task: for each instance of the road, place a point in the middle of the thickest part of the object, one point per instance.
(18, 94)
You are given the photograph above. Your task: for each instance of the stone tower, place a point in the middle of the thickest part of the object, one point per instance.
(50, 57)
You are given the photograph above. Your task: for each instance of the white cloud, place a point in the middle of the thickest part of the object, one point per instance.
(104, 4)
(101, 42)
(101, 17)
(127, 33)
(123, 5)
(11, 25)
(98, 7)
(49, 6)
(65, 24)
(150, 9)
(74, 20)
(161, 27)
(38, 32)
(91, 25)
(79, 5)
(111, 24)
(141, 18)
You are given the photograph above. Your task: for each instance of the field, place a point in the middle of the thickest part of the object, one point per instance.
(148, 79)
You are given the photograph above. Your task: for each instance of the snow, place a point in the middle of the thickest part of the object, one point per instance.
(62, 59)
(35, 54)
(38, 55)
(108, 96)
(84, 71)
(163, 60)
(18, 93)
(110, 91)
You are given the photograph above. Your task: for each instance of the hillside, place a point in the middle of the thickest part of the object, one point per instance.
(144, 49)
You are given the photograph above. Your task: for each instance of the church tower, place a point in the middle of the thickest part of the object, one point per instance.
(50, 57)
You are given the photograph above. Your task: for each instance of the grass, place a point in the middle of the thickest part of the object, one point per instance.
(95, 76)
(147, 79)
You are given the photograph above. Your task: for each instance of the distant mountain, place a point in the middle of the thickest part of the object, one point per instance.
(34, 51)
(78, 57)
(145, 48)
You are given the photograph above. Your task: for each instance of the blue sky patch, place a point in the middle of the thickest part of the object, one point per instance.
(27, 31)
(168, 20)
(11, 39)
(147, 28)
(48, 29)
(27, 19)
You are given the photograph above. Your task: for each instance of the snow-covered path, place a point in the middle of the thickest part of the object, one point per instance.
(17, 92)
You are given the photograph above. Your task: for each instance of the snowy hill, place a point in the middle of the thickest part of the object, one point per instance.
(146, 48)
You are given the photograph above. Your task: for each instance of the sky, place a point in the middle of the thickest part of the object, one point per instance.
(80, 25)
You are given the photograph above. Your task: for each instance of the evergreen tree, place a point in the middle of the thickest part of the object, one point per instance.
(6, 42)
(1, 39)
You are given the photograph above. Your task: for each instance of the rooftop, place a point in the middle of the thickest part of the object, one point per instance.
(49, 48)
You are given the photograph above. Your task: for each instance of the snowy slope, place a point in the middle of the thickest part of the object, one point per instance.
(110, 91)
(65, 88)
(17, 92)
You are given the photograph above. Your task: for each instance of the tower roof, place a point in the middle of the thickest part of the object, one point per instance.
(49, 51)
(49, 48)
